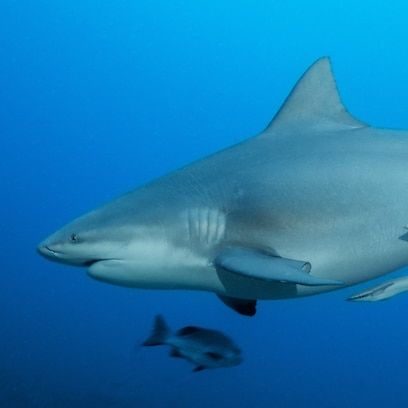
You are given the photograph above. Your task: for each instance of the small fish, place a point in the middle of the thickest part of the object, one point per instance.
(205, 348)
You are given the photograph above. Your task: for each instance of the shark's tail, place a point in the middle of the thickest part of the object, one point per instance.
(160, 333)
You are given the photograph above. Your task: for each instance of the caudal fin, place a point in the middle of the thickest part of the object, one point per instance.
(160, 333)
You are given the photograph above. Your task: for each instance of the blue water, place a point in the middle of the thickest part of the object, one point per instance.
(97, 98)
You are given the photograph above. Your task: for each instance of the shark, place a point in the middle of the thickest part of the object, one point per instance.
(315, 202)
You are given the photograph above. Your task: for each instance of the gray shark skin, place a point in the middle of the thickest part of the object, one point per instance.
(316, 202)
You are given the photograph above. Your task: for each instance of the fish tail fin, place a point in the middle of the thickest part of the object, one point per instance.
(159, 334)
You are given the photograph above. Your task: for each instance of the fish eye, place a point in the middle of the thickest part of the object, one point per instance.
(74, 238)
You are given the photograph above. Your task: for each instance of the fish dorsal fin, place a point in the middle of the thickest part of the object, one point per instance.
(314, 103)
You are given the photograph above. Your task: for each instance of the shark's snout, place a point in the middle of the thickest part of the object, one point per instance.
(46, 251)
(53, 251)
(50, 251)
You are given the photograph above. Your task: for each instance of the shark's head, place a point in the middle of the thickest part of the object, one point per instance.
(140, 247)
(88, 240)
(78, 246)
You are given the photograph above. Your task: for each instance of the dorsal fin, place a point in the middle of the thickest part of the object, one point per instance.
(314, 103)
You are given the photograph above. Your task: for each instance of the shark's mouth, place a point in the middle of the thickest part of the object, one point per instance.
(91, 262)
(51, 252)
(62, 257)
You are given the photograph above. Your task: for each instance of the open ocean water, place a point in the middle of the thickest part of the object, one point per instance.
(97, 98)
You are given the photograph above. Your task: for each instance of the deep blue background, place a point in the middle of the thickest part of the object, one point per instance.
(99, 97)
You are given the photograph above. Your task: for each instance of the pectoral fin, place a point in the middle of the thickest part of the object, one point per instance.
(374, 294)
(255, 264)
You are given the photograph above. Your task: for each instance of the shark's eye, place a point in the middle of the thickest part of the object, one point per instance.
(74, 238)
